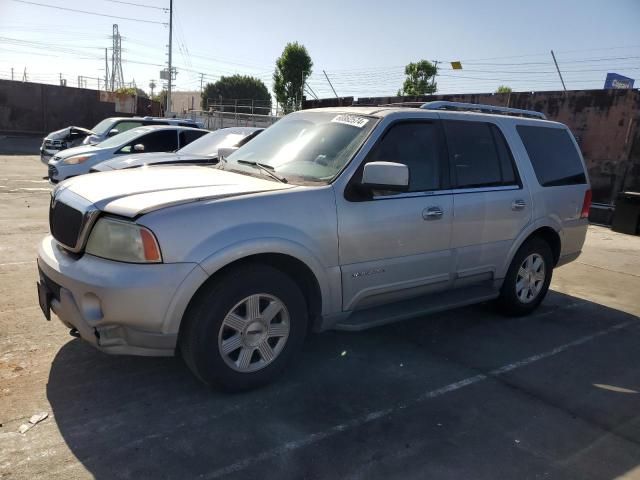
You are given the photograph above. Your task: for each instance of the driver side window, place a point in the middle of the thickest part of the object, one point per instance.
(416, 145)
(162, 141)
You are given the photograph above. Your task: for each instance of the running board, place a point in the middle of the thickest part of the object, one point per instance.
(435, 302)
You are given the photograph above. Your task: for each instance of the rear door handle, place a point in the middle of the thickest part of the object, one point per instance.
(518, 205)
(432, 213)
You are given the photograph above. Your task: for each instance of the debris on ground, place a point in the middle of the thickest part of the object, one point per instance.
(33, 421)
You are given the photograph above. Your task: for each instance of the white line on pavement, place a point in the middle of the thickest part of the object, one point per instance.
(16, 263)
(369, 417)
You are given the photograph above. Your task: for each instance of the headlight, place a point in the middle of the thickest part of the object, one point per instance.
(76, 160)
(123, 241)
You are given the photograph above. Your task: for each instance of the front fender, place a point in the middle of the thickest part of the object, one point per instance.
(328, 278)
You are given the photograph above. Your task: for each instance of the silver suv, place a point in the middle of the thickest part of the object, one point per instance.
(338, 218)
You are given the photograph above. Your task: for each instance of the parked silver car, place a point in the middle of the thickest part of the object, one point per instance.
(341, 218)
(79, 160)
(73, 136)
(204, 150)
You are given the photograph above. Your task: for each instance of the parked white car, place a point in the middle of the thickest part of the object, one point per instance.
(79, 160)
(73, 136)
(337, 218)
(204, 150)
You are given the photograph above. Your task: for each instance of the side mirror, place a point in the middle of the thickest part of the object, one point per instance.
(138, 147)
(224, 152)
(112, 132)
(386, 176)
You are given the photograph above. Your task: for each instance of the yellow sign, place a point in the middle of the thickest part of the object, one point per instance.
(456, 65)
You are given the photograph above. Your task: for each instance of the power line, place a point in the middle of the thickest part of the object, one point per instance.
(88, 13)
(138, 5)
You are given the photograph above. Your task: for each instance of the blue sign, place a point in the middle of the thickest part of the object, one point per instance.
(614, 80)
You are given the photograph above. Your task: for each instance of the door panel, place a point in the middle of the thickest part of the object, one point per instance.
(389, 251)
(486, 224)
(491, 206)
(397, 246)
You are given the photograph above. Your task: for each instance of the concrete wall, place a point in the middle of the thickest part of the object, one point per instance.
(35, 108)
(606, 124)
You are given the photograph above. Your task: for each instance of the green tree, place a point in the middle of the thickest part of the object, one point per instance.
(241, 90)
(420, 79)
(133, 91)
(160, 97)
(504, 89)
(292, 69)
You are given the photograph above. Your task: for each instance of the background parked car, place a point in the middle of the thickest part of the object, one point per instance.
(79, 160)
(74, 136)
(203, 150)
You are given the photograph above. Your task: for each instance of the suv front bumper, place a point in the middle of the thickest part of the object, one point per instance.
(120, 308)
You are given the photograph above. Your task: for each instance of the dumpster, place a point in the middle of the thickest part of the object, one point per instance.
(626, 218)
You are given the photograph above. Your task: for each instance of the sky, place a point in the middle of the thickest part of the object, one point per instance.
(362, 45)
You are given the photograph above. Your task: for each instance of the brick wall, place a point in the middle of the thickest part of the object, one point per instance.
(36, 108)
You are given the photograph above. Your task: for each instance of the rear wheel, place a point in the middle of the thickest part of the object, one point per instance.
(242, 331)
(528, 278)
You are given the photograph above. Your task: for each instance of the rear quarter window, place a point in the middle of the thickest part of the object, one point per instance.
(553, 154)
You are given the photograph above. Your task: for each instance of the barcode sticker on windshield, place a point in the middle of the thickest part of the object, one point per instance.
(353, 120)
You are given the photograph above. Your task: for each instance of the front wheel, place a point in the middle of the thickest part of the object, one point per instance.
(244, 328)
(528, 278)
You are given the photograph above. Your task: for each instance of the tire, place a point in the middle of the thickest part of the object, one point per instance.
(242, 329)
(525, 288)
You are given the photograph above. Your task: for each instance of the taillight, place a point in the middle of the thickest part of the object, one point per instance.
(586, 205)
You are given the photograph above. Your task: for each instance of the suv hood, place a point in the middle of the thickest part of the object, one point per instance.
(142, 190)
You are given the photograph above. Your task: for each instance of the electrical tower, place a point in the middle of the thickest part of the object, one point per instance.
(117, 78)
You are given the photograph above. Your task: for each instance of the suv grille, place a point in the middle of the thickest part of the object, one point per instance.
(65, 223)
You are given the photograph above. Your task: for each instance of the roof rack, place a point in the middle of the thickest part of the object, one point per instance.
(477, 107)
(401, 104)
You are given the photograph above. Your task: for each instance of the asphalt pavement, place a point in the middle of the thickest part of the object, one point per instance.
(463, 394)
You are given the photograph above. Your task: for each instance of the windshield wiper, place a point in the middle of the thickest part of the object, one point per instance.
(268, 169)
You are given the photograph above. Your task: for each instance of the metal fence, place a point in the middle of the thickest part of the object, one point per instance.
(214, 119)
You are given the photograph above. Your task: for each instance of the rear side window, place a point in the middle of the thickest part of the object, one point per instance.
(127, 125)
(479, 155)
(553, 155)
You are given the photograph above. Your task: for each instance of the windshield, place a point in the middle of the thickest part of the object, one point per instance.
(208, 144)
(305, 147)
(122, 138)
(103, 127)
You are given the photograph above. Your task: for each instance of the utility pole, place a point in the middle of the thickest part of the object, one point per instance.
(433, 80)
(117, 78)
(11, 73)
(106, 70)
(201, 82)
(168, 110)
(327, 77)
(558, 69)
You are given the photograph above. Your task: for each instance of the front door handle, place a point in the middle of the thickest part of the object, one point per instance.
(518, 205)
(432, 213)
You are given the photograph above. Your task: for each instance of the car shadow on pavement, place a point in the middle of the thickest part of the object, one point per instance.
(363, 404)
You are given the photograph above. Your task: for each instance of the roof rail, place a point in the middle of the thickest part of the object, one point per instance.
(401, 104)
(477, 107)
